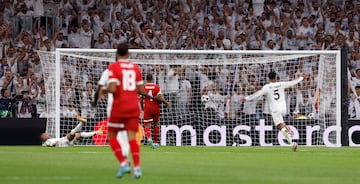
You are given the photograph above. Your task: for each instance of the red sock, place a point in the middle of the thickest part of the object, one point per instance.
(115, 146)
(156, 134)
(135, 152)
(147, 132)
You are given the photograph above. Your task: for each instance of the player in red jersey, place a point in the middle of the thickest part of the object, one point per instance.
(125, 83)
(152, 110)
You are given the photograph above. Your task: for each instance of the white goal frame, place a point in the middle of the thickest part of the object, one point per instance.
(242, 52)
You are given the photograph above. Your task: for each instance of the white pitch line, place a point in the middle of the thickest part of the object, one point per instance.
(51, 178)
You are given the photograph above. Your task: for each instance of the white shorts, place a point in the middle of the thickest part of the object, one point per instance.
(64, 142)
(277, 118)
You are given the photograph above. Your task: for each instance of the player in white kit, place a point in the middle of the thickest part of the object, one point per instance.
(102, 87)
(275, 96)
(70, 138)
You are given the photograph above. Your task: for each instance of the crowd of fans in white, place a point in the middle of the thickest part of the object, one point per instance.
(173, 24)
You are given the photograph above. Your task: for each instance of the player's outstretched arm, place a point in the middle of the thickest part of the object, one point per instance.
(96, 97)
(161, 98)
(255, 95)
(112, 87)
(141, 91)
(101, 90)
(294, 82)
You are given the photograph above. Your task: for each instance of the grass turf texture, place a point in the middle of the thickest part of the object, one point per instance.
(220, 165)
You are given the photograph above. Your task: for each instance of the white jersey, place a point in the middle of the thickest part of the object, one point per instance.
(104, 82)
(275, 95)
(60, 142)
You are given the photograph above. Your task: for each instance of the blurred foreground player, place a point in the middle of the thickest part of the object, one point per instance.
(101, 91)
(125, 83)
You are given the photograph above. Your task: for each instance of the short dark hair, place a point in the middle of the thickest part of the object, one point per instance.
(3, 91)
(149, 77)
(272, 75)
(25, 91)
(122, 49)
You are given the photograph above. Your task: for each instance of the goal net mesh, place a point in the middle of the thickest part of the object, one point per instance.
(205, 90)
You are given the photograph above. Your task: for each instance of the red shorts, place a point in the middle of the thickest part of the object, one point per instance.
(151, 115)
(118, 124)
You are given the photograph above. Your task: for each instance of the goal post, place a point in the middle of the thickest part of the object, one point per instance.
(205, 87)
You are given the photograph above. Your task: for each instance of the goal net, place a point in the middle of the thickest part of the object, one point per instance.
(204, 88)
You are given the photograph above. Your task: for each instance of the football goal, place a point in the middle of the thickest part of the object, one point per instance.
(205, 87)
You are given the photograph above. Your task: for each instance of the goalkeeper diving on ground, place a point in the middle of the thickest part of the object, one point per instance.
(71, 138)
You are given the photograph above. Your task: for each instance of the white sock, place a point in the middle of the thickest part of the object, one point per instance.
(287, 135)
(77, 128)
(87, 134)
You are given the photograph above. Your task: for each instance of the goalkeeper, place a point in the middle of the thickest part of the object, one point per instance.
(71, 138)
(275, 96)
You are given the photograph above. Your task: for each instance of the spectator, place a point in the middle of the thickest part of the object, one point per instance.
(68, 110)
(86, 35)
(26, 108)
(20, 84)
(84, 5)
(63, 21)
(86, 98)
(356, 78)
(38, 8)
(301, 115)
(116, 17)
(185, 93)
(40, 101)
(45, 43)
(239, 43)
(117, 38)
(217, 101)
(304, 105)
(250, 107)
(25, 18)
(293, 95)
(6, 81)
(172, 86)
(22, 62)
(6, 110)
(98, 21)
(8, 11)
(11, 55)
(59, 40)
(354, 106)
(101, 43)
(3, 66)
(67, 91)
(235, 106)
(304, 34)
(74, 36)
(206, 25)
(35, 65)
(290, 42)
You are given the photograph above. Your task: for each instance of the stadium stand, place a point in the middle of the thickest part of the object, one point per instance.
(28, 25)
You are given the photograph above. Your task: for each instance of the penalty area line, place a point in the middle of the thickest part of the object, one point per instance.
(43, 178)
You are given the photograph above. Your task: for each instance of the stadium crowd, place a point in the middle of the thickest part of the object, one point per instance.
(30, 25)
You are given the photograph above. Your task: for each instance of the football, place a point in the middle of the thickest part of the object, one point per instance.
(205, 98)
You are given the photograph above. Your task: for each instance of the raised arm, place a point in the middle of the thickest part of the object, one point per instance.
(293, 82)
(255, 95)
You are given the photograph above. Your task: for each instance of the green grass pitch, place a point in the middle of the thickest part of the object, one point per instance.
(207, 165)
